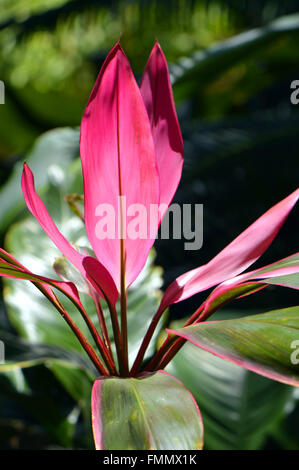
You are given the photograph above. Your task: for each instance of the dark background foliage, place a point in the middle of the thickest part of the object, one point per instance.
(239, 127)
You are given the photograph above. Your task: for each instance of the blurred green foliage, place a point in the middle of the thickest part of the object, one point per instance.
(232, 63)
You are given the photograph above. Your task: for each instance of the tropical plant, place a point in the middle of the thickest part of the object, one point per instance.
(132, 155)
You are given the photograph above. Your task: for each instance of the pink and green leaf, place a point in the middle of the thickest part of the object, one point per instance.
(287, 266)
(67, 288)
(236, 257)
(283, 273)
(262, 343)
(288, 280)
(153, 412)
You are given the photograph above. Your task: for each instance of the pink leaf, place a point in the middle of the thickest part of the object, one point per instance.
(20, 272)
(39, 211)
(236, 257)
(248, 283)
(118, 159)
(157, 95)
(96, 272)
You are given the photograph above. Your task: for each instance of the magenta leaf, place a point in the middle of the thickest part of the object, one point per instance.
(157, 95)
(39, 211)
(118, 160)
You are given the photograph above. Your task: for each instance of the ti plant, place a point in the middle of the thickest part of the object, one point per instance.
(132, 155)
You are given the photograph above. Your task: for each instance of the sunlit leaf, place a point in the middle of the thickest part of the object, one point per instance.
(154, 412)
(263, 343)
(52, 153)
(239, 408)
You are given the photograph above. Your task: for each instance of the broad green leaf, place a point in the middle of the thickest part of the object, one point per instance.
(16, 378)
(265, 343)
(75, 373)
(20, 353)
(289, 280)
(286, 435)
(52, 151)
(77, 382)
(239, 408)
(153, 412)
(284, 272)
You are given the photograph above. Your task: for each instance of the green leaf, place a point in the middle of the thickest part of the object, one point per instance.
(289, 280)
(154, 412)
(54, 149)
(75, 373)
(289, 262)
(262, 343)
(239, 408)
(20, 353)
(77, 382)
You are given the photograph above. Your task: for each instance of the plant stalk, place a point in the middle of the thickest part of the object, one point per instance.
(146, 341)
(84, 342)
